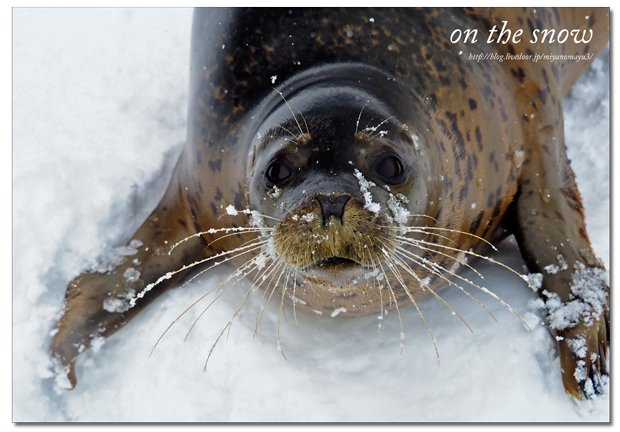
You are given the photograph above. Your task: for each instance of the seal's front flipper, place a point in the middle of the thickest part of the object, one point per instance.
(97, 304)
(548, 221)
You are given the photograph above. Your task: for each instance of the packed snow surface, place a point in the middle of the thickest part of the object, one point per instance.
(100, 108)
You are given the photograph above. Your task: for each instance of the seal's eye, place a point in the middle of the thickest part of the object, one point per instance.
(278, 172)
(390, 169)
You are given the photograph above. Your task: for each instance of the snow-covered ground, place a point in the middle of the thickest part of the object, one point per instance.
(100, 102)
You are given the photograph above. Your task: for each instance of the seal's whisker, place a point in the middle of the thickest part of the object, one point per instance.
(237, 230)
(168, 275)
(426, 246)
(294, 297)
(249, 231)
(305, 122)
(485, 290)
(214, 344)
(255, 213)
(357, 125)
(381, 313)
(402, 332)
(401, 229)
(272, 268)
(282, 127)
(412, 242)
(229, 324)
(404, 285)
(279, 263)
(414, 274)
(263, 277)
(415, 229)
(247, 296)
(255, 242)
(257, 281)
(280, 311)
(420, 215)
(239, 271)
(228, 332)
(249, 293)
(379, 125)
(275, 265)
(244, 270)
(253, 265)
(264, 239)
(437, 269)
(294, 302)
(468, 253)
(243, 275)
(301, 132)
(282, 281)
(387, 282)
(443, 302)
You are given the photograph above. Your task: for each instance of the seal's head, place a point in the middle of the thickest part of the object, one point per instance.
(339, 175)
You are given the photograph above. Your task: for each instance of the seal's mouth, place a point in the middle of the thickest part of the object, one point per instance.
(337, 263)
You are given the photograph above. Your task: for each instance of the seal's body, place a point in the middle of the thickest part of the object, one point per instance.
(373, 156)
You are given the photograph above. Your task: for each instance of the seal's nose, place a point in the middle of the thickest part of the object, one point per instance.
(332, 205)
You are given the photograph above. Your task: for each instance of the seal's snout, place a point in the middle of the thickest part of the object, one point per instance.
(332, 206)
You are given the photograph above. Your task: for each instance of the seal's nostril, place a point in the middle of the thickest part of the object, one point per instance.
(332, 206)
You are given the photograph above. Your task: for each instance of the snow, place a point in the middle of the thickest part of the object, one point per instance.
(115, 305)
(535, 280)
(99, 117)
(275, 192)
(399, 210)
(365, 186)
(337, 311)
(588, 299)
(308, 217)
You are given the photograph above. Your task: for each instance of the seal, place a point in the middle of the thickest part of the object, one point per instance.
(351, 161)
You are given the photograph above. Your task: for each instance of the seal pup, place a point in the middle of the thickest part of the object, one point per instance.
(354, 166)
